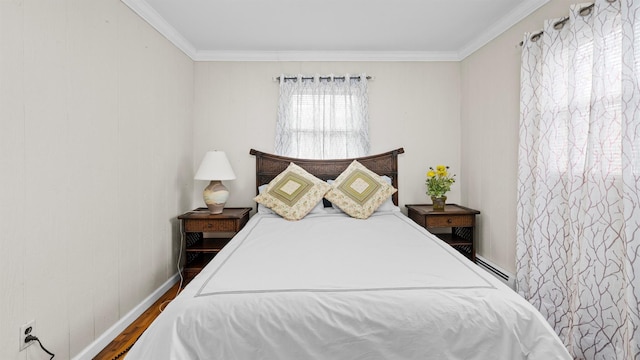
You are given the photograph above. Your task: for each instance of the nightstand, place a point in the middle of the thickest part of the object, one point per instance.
(458, 221)
(205, 234)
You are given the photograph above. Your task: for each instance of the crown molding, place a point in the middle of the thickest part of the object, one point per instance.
(501, 26)
(325, 56)
(147, 13)
(151, 16)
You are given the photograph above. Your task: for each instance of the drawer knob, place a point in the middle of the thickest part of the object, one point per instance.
(210, 225)
(449, 221)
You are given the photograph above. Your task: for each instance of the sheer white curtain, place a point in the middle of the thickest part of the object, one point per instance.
(323, 117)
(578, 226)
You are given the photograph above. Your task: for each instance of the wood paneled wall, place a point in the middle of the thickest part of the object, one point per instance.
(96, 126)
(413, 105)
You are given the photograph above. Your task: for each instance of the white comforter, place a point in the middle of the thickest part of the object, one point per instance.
(333, 287)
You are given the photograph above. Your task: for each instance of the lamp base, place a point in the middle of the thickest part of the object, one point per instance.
(215, 196)
(215, 208)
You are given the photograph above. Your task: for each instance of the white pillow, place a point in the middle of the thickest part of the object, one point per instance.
(261, 208)
(387, 205)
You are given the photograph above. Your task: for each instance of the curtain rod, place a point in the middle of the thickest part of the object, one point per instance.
(320, 77)
(585, 11)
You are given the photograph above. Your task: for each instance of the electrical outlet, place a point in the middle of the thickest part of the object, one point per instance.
(26, 330)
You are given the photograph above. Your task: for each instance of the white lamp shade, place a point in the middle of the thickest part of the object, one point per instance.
(215, 166)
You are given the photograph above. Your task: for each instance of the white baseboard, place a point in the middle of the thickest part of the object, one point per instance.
(501, 274)
(107, 337)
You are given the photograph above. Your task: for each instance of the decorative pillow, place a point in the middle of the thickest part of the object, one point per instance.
(318, 209)
(293, 193)
(386, 206)
(359, 191)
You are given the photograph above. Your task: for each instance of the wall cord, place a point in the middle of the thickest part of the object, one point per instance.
(31, 338)
(182, 240)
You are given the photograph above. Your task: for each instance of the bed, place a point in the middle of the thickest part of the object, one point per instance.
(331, 286)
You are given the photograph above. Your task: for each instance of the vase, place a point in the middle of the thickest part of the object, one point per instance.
(438, 203)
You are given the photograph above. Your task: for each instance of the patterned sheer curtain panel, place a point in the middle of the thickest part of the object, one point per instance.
(323, 117)
(578, 227)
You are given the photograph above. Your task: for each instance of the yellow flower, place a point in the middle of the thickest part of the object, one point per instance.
(439, 181)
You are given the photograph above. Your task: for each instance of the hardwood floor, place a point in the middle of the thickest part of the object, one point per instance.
(118, 348)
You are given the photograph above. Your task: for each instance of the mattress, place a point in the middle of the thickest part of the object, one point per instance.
(333, 287)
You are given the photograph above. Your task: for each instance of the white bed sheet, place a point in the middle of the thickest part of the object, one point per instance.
(334, 287)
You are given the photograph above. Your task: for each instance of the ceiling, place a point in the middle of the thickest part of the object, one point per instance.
(325, 30)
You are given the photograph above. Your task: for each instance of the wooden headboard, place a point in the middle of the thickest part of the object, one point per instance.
(268, 166)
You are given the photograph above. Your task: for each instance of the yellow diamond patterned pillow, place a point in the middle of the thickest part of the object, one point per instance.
(293, 193)
(359, 191)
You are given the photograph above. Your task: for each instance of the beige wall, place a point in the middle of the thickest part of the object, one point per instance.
(490, 115)
(102, 122)
(414, 105)
(96, 114)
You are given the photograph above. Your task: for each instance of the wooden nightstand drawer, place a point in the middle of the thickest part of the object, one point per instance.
(204, 225)
(220, 228)
(458, 219)
(450, 220)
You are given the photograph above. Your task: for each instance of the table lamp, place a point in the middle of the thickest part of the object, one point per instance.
(215, 167)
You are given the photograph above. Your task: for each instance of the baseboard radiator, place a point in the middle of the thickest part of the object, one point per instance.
(496, 271)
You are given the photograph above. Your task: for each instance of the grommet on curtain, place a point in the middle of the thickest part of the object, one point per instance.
(587, 10)
(535, 37)
(560, 23)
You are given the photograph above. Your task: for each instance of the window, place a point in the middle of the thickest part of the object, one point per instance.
(322, 117)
